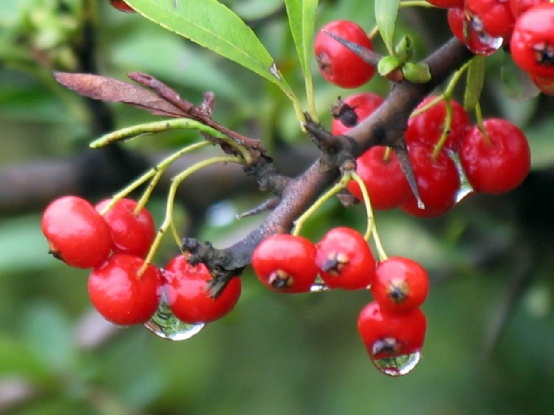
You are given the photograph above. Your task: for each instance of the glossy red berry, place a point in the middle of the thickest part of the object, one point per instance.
(400, 284)
(120, 294)
(349, 112)
(438, 182)
(391, 338)
(518, 7)
(187, 292)
(428, 126)
(447, 4)
(545, 85)
(121, 6)
(385, 181)
(499, 165)
(131, 233)
(345, 259)
(76, 233)
(532, 44)
(469, 30)
(338, 64)
(493, 17)
(286, 263)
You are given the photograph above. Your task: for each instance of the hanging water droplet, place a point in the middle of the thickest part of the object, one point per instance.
(164, 324)
(397, 365)
(318, 285)
(478, 40)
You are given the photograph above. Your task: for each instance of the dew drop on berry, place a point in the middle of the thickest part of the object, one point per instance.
(397, 365)
(164, 324)
(318, 285)
(478, 40)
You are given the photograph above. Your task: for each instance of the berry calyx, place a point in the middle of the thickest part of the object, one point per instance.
(499, 162)
(286, 263)
(76, 233)
(338, 64)
(345, 259)
(437, 179)
(383, 177)
(400, 284)
(349, 112)
(131, 233)
(187, 292)
(121, 294)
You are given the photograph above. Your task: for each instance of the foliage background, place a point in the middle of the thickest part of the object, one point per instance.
(274, 354)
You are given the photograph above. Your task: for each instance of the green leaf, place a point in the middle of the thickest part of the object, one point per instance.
(216, 27)
(416, 72)
(475, 82)
(301, 14)
(517, 84)
(387, 64)
(385, 16)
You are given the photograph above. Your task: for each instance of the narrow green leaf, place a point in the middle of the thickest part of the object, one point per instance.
(517, 84)
(301, 15)
(216, 27)
(475, 82)
(386, 12)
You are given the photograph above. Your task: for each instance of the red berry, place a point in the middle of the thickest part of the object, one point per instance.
(76, 233)
(438, 182)
(447, 4)
(131, 233)
(345, 259)
(428, 126)
(518, 7)
(384, 179)
(122, 6)
(400, 284)
(545, 85)
(497, 166)
(349, 112)
(187, 292)
(389, 335)
(469, 30)
(286, 263)
(493, 17)
(122, 296)
(532, 44)
(338, 64)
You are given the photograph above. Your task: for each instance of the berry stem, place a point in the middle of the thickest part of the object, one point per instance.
(479, 117)
(371, 227)
(445, 129)
(175, 182)
(414, 3)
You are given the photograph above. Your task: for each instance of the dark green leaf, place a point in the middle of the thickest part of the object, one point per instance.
(475, 81)
(517, 84)
(386, 12)
(216, 27)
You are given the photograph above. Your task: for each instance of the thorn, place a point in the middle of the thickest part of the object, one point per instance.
(269, 204)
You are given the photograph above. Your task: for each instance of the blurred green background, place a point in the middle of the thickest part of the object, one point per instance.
(490, 342)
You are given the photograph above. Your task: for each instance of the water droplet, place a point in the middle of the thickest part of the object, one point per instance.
(397, 365)
(318, 286)
(478, 40)
(164, 324)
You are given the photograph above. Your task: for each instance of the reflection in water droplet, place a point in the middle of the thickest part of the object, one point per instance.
(318, 286)
(478, 40)
(165, 325)
(397, 365)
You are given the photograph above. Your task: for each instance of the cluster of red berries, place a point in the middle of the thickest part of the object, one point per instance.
(523, 26)
(113, 239)
(494, 156)
(392, 326)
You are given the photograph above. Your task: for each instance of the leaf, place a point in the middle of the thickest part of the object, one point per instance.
(385, 16)
(416, 72)
(475, 82)
(216, 27)
(301, 15)
(387, 64)
(112, 90)
(517, 84)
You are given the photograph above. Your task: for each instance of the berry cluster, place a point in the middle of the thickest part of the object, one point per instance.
(113, 238)
(523, 26)
(392, 327)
